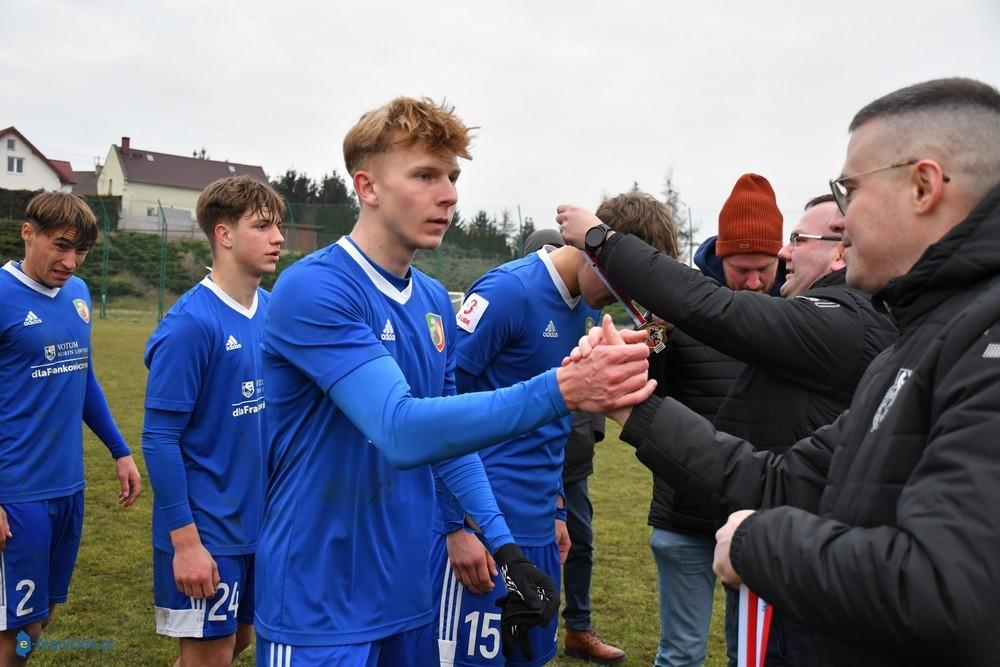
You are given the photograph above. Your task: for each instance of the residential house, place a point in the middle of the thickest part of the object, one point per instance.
(147, 180)
(24, 167)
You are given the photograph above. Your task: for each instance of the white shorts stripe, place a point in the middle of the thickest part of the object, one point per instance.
(3, 583)
(288, 656)
(270, 658)
(444, 598)
(458, 610)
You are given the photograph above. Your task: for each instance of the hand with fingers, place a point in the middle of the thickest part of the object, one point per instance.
(531, 600)
(471, 562)
(195, 571)
(129, 481)
(574, 222)
(562, 539)
(5, 533)
(610, 374)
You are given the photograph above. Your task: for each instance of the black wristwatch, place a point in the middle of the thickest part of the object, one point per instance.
(595, 238)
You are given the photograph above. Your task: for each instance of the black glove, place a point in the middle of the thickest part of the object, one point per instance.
(531, 599)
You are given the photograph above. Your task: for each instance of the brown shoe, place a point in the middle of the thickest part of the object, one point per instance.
(587, 645)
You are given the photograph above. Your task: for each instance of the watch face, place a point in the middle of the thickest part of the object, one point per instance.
(595, 236)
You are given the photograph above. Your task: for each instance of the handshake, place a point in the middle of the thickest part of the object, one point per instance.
(607, 372)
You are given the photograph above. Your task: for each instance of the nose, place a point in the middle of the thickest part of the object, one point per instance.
(785, 253)
(837, 224)
(449, 194)
(278, 237)
(753, 282)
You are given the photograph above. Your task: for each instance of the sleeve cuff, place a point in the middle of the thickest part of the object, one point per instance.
(739, 541)
(638, 422)
(604, 252)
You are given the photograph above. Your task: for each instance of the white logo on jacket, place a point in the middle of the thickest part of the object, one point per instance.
(31, 319)
(890, 396)
(550, 331)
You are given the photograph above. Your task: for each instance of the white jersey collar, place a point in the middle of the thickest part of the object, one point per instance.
(11, 268)
(543, 254)
(230, 301)
(378, 280)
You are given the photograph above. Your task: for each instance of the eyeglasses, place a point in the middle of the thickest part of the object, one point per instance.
(797, 238)
(840, 192)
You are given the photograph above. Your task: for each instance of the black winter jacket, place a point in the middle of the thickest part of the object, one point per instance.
(700, 377)
(805, 355)
(885, 529)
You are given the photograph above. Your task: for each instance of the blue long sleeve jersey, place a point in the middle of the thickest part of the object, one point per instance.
(203, 434)
(519, 320)
(49, 388)
(359, 366)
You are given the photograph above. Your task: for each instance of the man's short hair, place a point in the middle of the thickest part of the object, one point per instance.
(53, 212)
(642, 215)
(229, 199)
(821, 199)
(404, 122)
(954, 120)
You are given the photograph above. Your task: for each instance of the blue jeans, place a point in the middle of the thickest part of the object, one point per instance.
(684, 569)
(580, 561)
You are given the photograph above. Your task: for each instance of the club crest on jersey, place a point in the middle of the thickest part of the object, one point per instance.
(248, 387)
(82, 310)
(436, 326)
(471, 312)
(50, 352)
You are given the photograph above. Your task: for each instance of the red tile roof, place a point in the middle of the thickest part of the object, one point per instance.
(142, 166)
(65, 170)
(65, 174)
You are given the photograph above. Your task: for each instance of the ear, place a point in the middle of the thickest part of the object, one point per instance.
(364, 186)
(928, 186)
(27, 232)
(838, 258)
(223, 235)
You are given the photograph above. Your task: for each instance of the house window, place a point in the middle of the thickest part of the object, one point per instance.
(10, 144)
(15, 165)
(150, 211)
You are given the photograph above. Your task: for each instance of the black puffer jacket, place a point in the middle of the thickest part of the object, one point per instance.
(885, 529)
(700, 377)
(805, 355)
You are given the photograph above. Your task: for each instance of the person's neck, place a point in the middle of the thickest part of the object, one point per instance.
(385, 249)
(237, 283)
(568, 262)
(29, 270)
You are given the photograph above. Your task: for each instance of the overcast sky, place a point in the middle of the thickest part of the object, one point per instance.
(575, 100)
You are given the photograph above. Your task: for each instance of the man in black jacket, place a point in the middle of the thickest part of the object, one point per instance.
(805, 353)
(700, 377)
(881, 530)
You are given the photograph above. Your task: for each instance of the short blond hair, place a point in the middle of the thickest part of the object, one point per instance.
(406, 121)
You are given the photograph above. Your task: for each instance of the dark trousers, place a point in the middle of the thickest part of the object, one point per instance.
(580, 562)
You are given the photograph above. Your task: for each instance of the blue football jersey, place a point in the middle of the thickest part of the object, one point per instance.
(45, 349)
(517, 321)
(204, 359)
(344, 549)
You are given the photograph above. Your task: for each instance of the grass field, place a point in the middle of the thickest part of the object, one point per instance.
(108, 620)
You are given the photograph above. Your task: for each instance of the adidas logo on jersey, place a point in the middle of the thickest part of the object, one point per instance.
(232, 344)
(550, 331)
(387, 332)
(31, 319)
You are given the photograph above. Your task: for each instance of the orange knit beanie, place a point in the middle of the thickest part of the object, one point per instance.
(750, 221)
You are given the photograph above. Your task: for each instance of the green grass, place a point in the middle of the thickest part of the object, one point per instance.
(111, 594)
